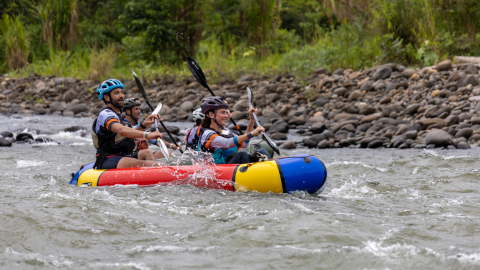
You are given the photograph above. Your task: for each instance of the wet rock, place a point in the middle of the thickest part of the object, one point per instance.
(464, 132)
(24, 136)
(317, 128)
(288, 145)
(73, 129)
(82, 107)
(463, 145)
(439, 138)
(375, 144)
(278, 136)
(323, 144)
(4, 142)
(68, 113)
(172, 129)
(7, 134)
(279, 126)
(57, 106)
(411, 134)
(371, 118)
(314, 140)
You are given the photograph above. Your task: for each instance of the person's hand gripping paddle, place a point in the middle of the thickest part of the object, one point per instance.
(265, 137)
(160, 142)
(142, 91)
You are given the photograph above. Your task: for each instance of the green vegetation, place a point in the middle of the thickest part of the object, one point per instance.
(99, 39)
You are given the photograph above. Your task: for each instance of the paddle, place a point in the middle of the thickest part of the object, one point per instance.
(265, 137)
(160, 142)
(198, 73)
(142, 91)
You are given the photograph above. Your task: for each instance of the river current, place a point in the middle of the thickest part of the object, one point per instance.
(381, 209)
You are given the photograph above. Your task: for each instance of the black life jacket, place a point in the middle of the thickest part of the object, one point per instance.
(109, 143)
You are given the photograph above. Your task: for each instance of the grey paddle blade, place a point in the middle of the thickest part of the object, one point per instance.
(250, 97)
(265, 137)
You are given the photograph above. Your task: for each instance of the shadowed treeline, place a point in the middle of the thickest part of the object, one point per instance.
(97, 39)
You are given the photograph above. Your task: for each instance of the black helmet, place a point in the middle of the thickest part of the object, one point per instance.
(129, 103)
(213, 103)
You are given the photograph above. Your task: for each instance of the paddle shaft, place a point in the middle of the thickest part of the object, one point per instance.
(164, 127)
(140, 87)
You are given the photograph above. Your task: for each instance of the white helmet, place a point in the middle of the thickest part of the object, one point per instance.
(198, 115)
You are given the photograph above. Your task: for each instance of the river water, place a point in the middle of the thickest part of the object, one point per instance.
(381, 209)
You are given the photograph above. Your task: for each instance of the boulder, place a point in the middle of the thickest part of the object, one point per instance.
(279, 126)
(288, 145)
(57, 106)
(69, 96)
(314, 140)
(464, 132)
(444, 65)
(278, 136)
(439, 138)
(382, 73)
(186, 106)
(4, 142)
(82, 107)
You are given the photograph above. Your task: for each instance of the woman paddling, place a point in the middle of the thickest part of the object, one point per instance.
(220, 141)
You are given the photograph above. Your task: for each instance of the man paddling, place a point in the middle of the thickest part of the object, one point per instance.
(131, 108)
(113, 140)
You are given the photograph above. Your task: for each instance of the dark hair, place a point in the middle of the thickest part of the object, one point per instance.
(206, 122)
(198, 122)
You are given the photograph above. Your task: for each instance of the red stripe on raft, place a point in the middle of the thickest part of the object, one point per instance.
(181, 175)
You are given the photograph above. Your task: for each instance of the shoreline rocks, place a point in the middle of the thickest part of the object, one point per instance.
(384, 106)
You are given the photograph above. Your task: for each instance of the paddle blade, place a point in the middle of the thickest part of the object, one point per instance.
(163, 148)
(197, 71)
(250, 97)
(158, 109)
(140, 86)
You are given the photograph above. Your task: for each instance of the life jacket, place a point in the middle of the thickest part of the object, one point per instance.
(219, 154)
(109, 143)
(193, 134)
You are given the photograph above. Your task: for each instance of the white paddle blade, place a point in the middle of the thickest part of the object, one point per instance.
(158, 109)
(163, 148)
(134, 73)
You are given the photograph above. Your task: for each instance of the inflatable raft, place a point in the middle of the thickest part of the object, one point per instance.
(282, 175)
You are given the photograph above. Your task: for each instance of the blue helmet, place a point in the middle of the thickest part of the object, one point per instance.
(108, 86)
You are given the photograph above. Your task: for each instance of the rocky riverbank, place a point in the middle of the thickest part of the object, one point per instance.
(385, 106)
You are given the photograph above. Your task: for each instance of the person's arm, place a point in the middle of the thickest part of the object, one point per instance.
(133, 133)
(224, 143)
(252, 120)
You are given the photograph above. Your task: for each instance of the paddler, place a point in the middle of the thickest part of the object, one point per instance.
(191, 140)
(222, 142)
(131, 109)
(113, 140)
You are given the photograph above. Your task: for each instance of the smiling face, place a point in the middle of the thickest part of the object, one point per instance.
(117, 97)
(222, 116)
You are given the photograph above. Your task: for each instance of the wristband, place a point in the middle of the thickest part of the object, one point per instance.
(249, 135)
(142, 126)
(145, 134)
